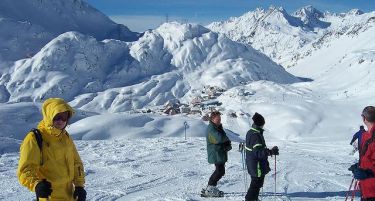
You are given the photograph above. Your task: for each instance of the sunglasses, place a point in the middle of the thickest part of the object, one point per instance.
(61, 117)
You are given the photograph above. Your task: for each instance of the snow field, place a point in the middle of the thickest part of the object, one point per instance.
(176, 169)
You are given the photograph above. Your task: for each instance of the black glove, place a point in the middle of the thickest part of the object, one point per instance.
(43, 189)
(273, 151)
(354, 166)
(359, 173)
(227, 146)
(241, 146)
(80, 193)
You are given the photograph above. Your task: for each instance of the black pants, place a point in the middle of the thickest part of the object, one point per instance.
(368, 199)
(255, 186)
(218, 173)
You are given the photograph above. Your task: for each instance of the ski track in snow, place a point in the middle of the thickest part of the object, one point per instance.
(173, 169)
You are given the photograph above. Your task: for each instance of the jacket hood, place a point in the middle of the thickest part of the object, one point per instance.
(51, 107)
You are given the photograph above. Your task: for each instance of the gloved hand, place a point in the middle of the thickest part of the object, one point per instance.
(80, 192)
(273, 151)
(359, 173)
(241, 146)
(43, 189)
(352, 167)
(227, 146)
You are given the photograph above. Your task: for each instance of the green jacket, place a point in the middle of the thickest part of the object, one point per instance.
(218, 144)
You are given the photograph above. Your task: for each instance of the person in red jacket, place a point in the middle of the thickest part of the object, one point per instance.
(364, 172)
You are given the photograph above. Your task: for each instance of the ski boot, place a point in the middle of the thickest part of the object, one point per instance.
(212, 191)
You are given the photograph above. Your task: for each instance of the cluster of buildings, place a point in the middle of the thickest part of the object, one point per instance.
(202, 103)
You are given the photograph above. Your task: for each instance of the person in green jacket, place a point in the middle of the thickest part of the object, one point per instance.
(218, 145)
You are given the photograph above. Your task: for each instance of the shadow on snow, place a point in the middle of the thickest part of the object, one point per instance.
(300, 194)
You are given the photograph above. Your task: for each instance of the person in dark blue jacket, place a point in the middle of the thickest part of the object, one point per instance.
(256, 157)
(358, 135)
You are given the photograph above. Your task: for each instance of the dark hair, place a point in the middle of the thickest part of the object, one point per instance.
(369, 114)
(214, 114)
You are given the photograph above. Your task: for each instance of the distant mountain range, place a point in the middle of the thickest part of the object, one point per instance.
(286, 38)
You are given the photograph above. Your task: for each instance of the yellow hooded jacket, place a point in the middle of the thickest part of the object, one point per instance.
(62, 165)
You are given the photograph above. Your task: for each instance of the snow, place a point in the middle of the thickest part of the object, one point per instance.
(119, 125)
(118, 76)
(176, 169)
(311, 109)
(24, 33)
(288, 38)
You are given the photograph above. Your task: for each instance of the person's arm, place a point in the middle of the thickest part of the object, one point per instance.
(79, 173)
(355, 137)
(29, 162)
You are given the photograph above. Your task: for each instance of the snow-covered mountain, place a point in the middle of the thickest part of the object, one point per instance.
(286, 38)
(113, 75)
(27, 25)
(311, 18)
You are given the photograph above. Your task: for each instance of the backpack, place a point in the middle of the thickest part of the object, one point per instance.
(39, 140)
(367, 143)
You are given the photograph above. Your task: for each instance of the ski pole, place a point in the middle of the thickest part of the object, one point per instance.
(350, 187)
(243, 170)
(355, 189)
(275, 175)
(185, 125)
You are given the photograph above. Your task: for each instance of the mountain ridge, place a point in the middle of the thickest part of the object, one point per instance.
(284, 40)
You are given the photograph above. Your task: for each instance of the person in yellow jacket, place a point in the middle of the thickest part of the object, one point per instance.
(54, 172)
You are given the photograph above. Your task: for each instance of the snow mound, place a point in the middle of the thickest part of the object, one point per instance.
(132, 126)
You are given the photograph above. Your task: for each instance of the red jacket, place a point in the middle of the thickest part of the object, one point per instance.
(367, 161)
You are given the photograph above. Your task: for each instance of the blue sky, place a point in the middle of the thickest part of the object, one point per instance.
(140, 15)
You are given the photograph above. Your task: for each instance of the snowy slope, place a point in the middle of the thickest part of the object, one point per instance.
(145, 157)
(286, 38)
(24, 29)
(118, 76)
(176, 170)
(347, 73)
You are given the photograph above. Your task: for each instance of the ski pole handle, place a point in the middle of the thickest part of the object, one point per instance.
(240, 146)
